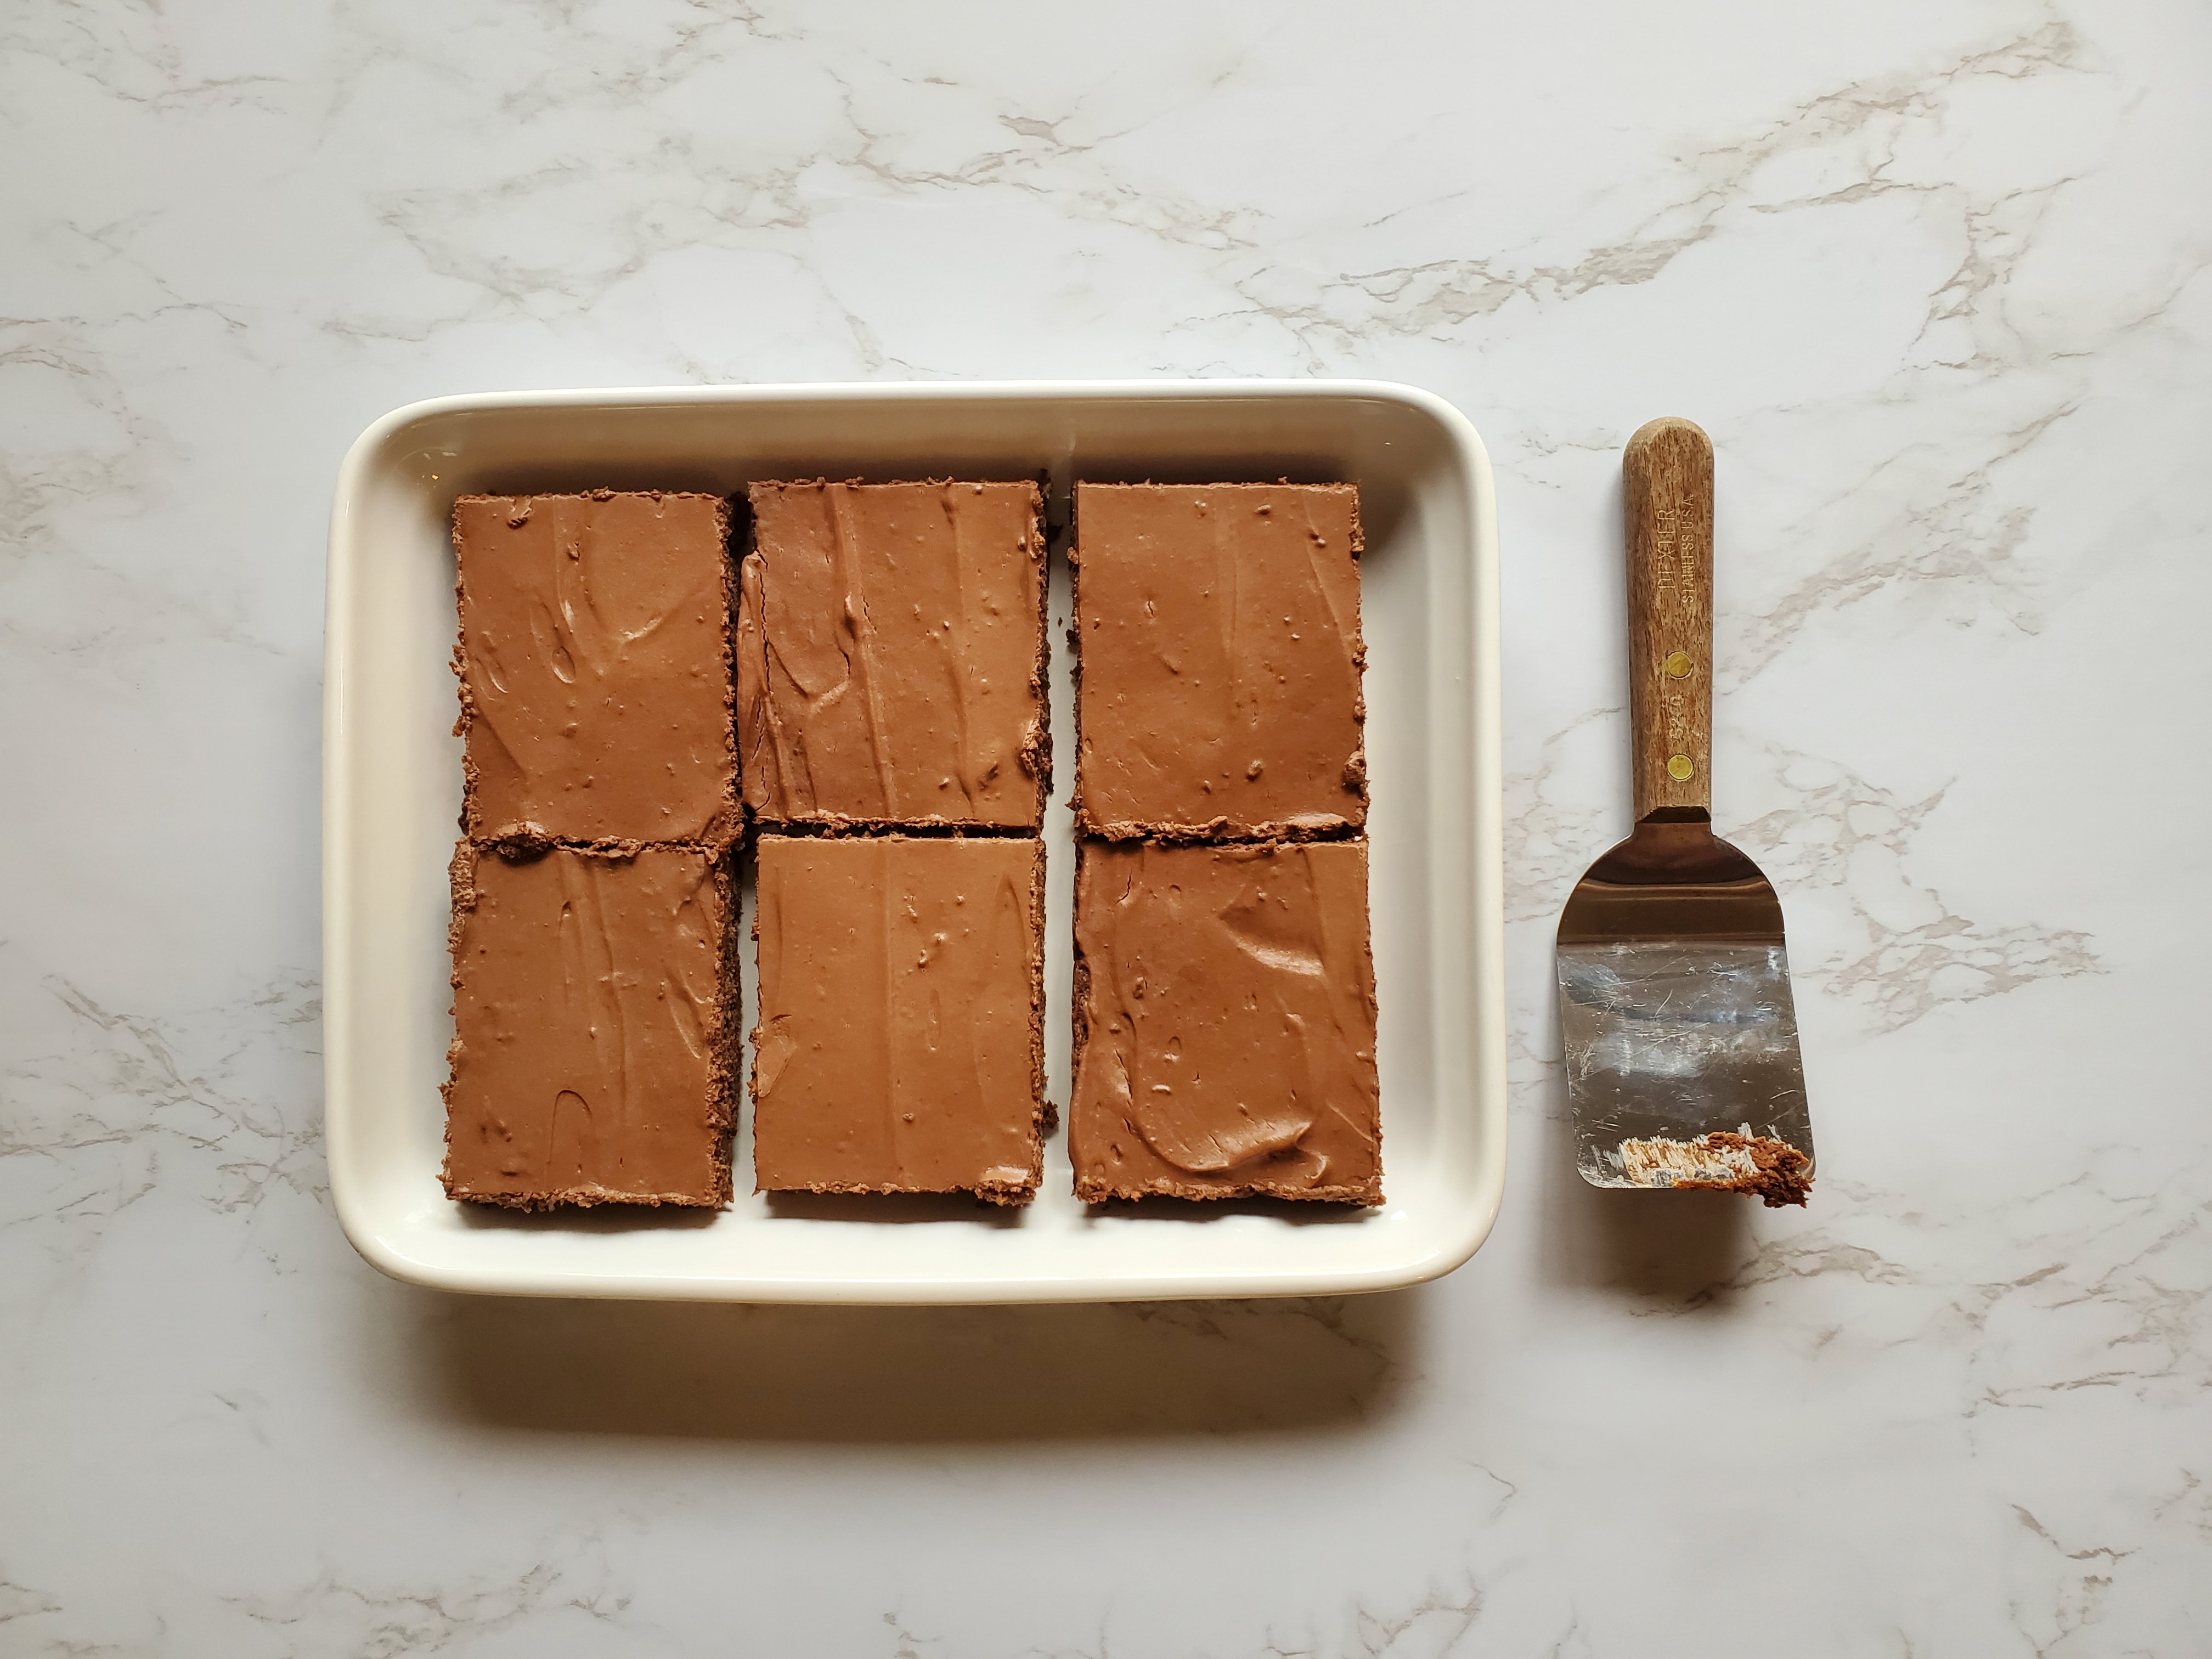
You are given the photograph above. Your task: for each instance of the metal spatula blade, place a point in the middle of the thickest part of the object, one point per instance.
(1676, 1021)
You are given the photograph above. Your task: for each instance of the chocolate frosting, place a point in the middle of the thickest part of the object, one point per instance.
(1217, 634)
(1224, 1023)
(594, 1013)
(891, 655)
(899, 1044)
(594, 663)
(1776, 1173)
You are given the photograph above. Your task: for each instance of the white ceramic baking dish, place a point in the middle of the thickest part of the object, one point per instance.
(392, 782)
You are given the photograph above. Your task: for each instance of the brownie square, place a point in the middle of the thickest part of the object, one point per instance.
(594, 663)
(891, 655)
(1219, 660)
(1224, 1023)
(901, 1042)
(595, 998)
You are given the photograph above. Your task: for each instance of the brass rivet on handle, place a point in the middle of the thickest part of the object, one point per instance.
(1677, 665)
(1679, 768)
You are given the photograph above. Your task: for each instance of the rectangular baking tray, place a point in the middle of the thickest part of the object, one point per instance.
(392, 783)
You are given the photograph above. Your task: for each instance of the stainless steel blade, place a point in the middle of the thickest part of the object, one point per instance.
(1668, 1041)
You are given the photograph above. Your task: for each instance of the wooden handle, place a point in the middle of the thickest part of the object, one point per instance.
(1667, 502)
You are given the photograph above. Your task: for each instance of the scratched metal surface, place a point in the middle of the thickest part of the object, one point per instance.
(1671, 1039)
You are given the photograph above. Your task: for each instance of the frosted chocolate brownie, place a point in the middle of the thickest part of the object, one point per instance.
(1224, 1023)
(900, 1046)
(1219, 660)
(595, 1016)
(594, 663)
(891, 655)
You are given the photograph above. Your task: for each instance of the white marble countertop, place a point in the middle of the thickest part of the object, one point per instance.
(1933, 276)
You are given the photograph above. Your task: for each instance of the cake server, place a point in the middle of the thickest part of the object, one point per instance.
(1680, 1035)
